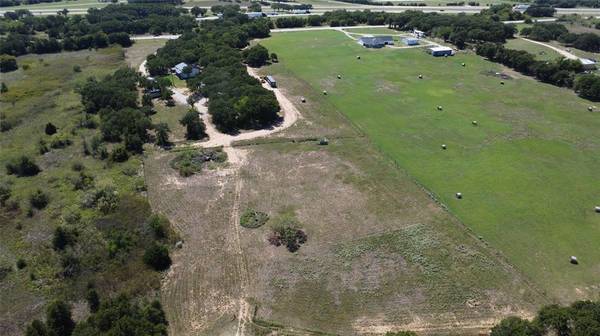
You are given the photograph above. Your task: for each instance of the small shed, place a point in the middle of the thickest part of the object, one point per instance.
(441, 51)
(418, 33)
(272, 82)
(411, 41)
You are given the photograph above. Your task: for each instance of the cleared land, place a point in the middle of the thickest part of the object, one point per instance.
(528, 172)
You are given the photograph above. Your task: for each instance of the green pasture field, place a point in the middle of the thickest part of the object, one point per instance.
(540, 52)
(528, 172)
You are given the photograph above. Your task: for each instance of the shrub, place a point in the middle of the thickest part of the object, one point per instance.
(22, 166)
(159, 226)
(162, 135)
(286, 231)
(83, 181)
(119, 154)
(21, 263)
(105, 199)
(38, 199)
(60, 141)
(76, 68)
(157, 257)
(253, 219)
(50, 129)
(190, 162)
(58, 319)
(8, 63)
(62, 238)
(93, 300)
(3, 88)
(5, 192)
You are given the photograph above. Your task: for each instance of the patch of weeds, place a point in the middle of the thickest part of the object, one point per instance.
(286, 231)
(253, 219)
(190, 162)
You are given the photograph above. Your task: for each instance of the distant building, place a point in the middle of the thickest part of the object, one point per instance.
(185, 71)
(588, 64)
(375, 41)
(411, 41)
(272, 82)
(520, 8)
(255, 15)
(418, 33)
(441, 51)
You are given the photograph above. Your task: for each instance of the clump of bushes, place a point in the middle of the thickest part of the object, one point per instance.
(22, 166)
(286, 231)
(38, 199)
(253, 219)
(190, 162)
(105, 199)
(157, 257)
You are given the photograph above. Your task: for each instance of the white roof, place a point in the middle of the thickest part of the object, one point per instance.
(586, 61)
(440, 48)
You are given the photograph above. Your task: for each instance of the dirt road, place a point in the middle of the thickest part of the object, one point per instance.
(562, 52)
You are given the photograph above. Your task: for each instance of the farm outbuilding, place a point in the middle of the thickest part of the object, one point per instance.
(441, 51)
(411, 41)
(255, 15)
(272, 82)
(185, 71)
(375, 41)
(588, 64)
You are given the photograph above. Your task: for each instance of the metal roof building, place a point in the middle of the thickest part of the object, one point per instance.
(375, 41)
(441, 51)
(180, 72)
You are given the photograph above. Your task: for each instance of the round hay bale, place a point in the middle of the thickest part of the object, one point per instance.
(474, 122)
(325, 92)
(439, 107)
(420, 76)
(357, 57)
(444, 146)
(339, 76)
(459, 195)
(463, 64)
(590, 108)
(303, 100)
(597, 209)
(179, 244)
(574, 260)
(502, 83)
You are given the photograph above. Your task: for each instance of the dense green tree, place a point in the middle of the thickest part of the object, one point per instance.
(162, 135)
(514, 326)
(38, 199)
(157, 257)
(256, 56)
(195, 129)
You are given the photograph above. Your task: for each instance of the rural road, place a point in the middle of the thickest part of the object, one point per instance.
(562, 52)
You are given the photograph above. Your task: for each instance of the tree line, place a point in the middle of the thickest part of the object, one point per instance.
(569, 3)
(98, 29)
(235, 99)
(10, 3)
(556, 31)
(561, 72)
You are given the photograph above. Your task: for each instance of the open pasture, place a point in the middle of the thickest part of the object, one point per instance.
(528, 171)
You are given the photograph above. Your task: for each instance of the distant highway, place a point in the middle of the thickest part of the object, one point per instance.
(320, 9)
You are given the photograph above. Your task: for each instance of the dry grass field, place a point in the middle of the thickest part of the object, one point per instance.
(381, 254)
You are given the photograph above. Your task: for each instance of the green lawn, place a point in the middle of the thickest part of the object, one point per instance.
(528, 172)
(541, 52)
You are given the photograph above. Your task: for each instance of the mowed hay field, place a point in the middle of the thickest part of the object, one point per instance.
(528, 172)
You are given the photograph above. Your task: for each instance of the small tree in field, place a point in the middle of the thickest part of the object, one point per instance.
(50, 129)
(162, 135)
(195, 129)
(157, 257)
